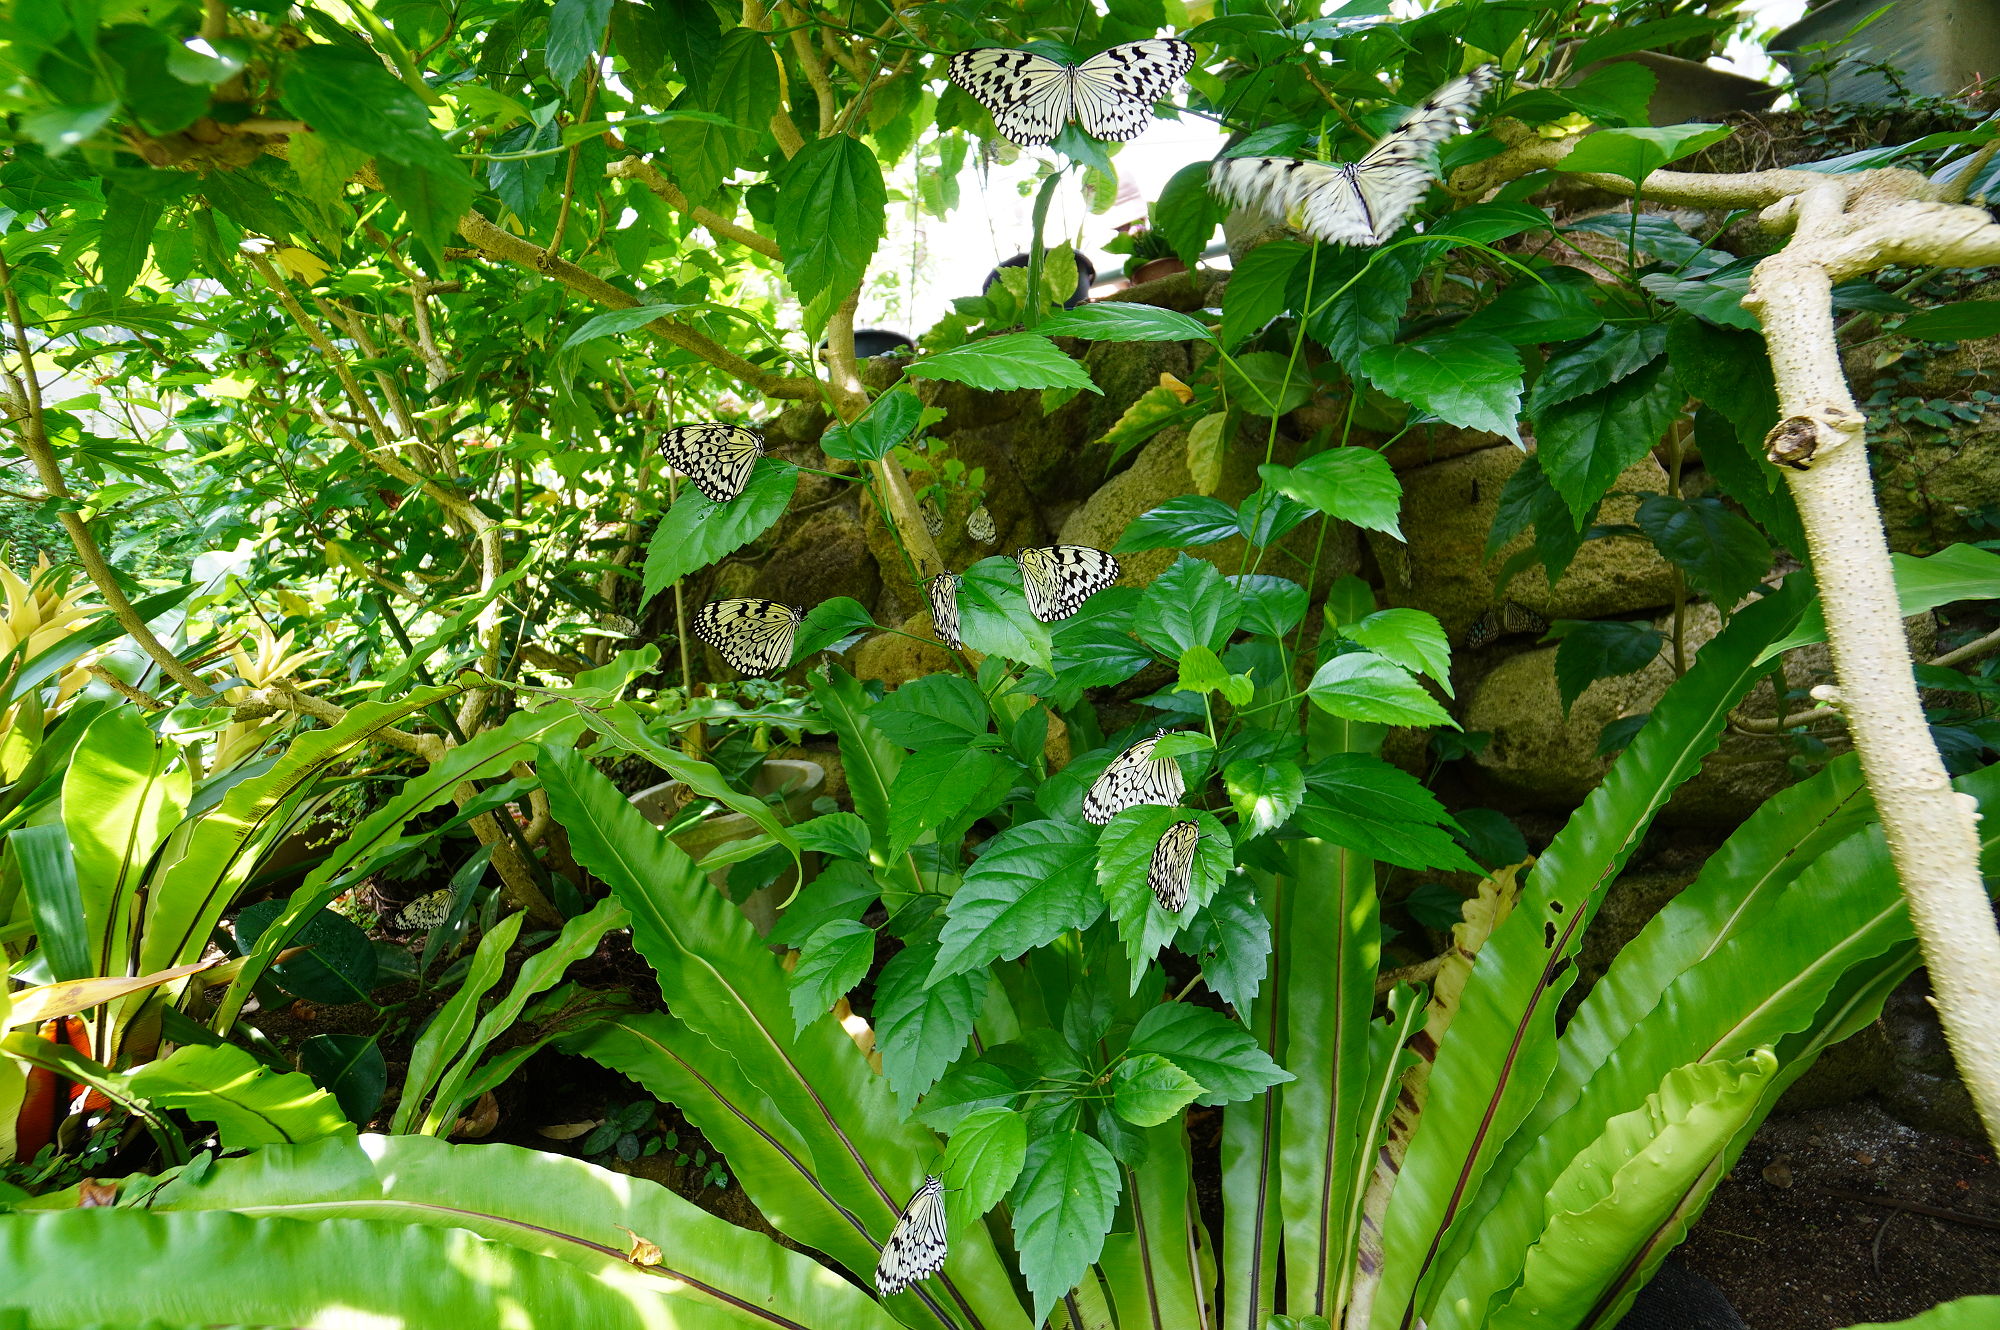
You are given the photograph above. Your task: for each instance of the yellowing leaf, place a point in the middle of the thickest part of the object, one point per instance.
(228, 385)
(292, 603)
(1204, 452)
(302, 264)
(1176, 387)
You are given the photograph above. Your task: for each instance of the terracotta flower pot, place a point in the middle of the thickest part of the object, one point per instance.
(1154, 269)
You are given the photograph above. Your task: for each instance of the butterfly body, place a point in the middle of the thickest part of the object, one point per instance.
(1057, 579)
(943, 593)
(754, 635)
(1134, 777)
(717, 458)
(1356, 203)
(1110, 95)
(1173, 865)
(917, 1245)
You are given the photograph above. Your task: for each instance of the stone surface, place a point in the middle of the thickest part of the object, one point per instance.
(1448, 508)
(824, 555)
(1062, 459)
(896, 660)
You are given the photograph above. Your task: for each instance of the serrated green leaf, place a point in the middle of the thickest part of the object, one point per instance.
(983, 1159)
(1187, 605)
(939, 786)
(1588, 441)
(1029, 884)
(697, 531)
(1723, 556)
(1147, 1090)
(1006, 362)
(1360, 685)
(1125, 853)
(1209, 1046)
(833, 960)
(1353, 484)
(830, 216)
(1468, 379)
(1358, 801)
(1635, 154)
(1124, 321)
(1413, 639)
(1259, 289)
(1264, 794)
(1601, 650)
(923, 1021)
(1266, 383)
(1188, 520)
(993, 614)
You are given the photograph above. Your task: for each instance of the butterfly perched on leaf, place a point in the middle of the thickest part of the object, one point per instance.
(425, 912)
(1110, 95)
(943, 593)
(754, 635)
(717, 458)
(916, 1246)
(1173, 865)
(1134, 777)
(1059, 578)
(1356, 203)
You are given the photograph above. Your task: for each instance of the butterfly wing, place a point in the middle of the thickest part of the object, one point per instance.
(1134, 777)
(943, 592)
(1397, 172)
(917, 1245)
(1029, 95)
(1173, 865)
(752, 634)
(1323, 201)
(979, 525)
(425, 912)
(717, 458)
(1115, 89)
(1059, 578)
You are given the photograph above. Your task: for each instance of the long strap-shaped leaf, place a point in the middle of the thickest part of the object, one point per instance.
(1149, 1269)
(1251, 1220)
(1502, 1043)
(718, 978)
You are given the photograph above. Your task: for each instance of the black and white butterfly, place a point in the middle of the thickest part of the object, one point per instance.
(752, 634)
(425, 912)
(943, 593)
(933, 516)
(1059, 578)
(717, 458)
(979, 525)
(1134, 777)
(1356, 203)
(916, 1246)
(1110, 95)
(1505, 620)
(1173, 865)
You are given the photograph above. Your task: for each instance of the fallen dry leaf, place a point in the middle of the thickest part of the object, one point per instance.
(567, 1131)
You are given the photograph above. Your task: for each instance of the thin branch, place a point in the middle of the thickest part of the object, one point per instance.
(634, 168)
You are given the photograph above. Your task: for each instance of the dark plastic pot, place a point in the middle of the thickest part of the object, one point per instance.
(1086, 273)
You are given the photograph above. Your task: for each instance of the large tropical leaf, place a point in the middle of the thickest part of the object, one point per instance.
(1252, 1223)
(123, 792)
(1149, 1257)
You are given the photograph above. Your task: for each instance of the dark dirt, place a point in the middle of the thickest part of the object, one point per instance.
(1806, 1233)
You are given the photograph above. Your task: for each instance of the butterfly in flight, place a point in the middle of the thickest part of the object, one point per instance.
(916, 1246)
(1059, 578)
(425, 912)
(1356, 203)
(1134, 777)
(1173, 865)
(752, 634)
(1110, 95)
(717, 458)
(943, 593)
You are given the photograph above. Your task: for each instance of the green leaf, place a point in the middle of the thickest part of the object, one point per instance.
(60, 128)
(1960, 321)
(1030, 883)
(1715, 297)
(1360, 685)
(338, 966)
(1614, 93)
(432, 197)
(248, 1102)
(869, 761)
(939, 787)
(1188, 520)
(1234, 942)
(697, 531)
(1358, 298)
(613, 322)
(742, 89)
(350, 1067)
(1011, 360)
(1124, 321)
(1259, 289)
(923, 1023)
(1264, 794)
(1609, 1205)
(1151, 411)
(1266, 383)
(1653, 34)
(48, 876)
(1486, 223)
(830, 216)
(123, 792)
(1272, 606)
(576, 31)
(890, 420)
(829, 624)
(1722, 555)
(1358, 801)
(936, 709)
(1201, 671)
(1413, 639)
(1468, 379)
(1635, 154)
(1956, 572)
(348, 95)
(833, 960)
(993, 615)
(1147, 1090)
(1063, 1206)
(1186, 605)
(1600, 650)
(1530, 313)
(1207, 1045)
(130, 218)
(1613, 354)
(1186, 213)
(1587, 442)
(1353, 484)
(450, 1028)
(1125, 853)
(984, 1157)
(1970, 1313)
